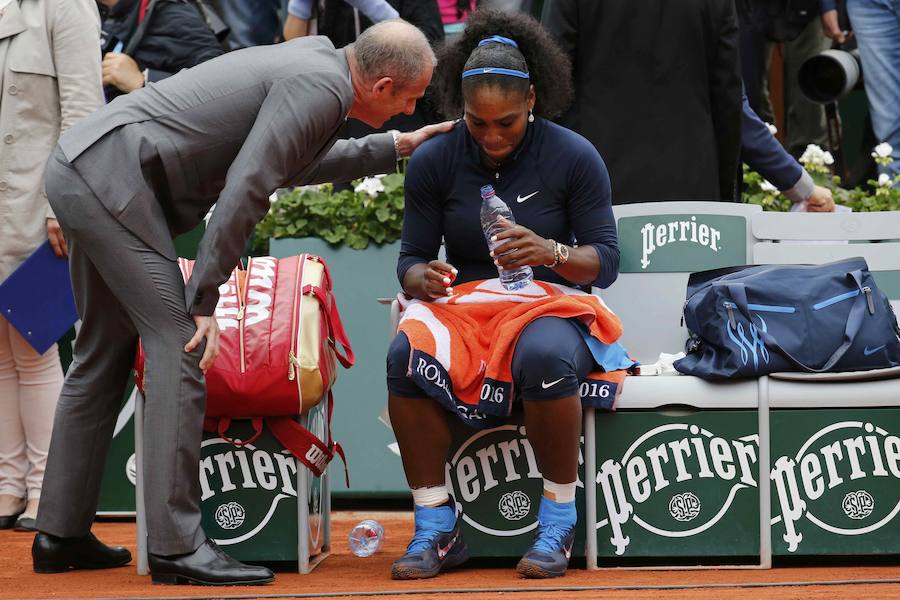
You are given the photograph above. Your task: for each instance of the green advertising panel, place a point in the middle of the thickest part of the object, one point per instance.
(119, 472)
(681, 243)
(677, 485)
(494, 478)
(249, 496)
(835, 481)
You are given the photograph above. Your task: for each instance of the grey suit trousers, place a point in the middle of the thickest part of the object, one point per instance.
(123, 289)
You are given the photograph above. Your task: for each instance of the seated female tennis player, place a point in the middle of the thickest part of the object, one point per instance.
(505, 76)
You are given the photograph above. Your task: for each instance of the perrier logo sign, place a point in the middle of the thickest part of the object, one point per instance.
(249, 493)
(243, 487)
(675, 481)
(681, 243)
(841, 483)
(495, 481)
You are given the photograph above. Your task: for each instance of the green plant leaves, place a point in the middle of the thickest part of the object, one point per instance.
(383, 213)
(350, 218)
(859, 199)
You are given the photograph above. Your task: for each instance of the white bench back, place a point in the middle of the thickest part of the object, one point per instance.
(660, 244)
(784, 238)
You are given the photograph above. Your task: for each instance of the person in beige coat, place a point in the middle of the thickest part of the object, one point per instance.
(49, 79)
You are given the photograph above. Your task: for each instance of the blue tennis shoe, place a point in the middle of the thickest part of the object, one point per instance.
(552, 547)
(436, 546)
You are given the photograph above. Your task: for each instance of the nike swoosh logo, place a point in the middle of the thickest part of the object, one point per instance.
(521, 199)
(546, 385)
(868, 352)
(442, 552)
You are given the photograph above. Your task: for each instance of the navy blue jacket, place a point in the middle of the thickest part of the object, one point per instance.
(555, 183)
(762, 152)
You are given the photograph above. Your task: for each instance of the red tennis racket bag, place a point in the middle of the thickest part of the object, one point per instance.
(281, 338)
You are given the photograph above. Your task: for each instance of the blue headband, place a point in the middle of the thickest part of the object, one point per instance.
(495, 71)
(496, 39)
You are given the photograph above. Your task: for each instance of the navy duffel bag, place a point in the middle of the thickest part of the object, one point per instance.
(755, 320)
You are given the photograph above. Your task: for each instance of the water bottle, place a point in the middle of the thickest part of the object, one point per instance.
(366, 538)
(493, 209)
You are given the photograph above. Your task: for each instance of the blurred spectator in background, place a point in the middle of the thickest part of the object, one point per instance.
(49, 78)
(301, 11)
(876, 25)
(764, 23)
(657, 91)
(341, 22)
(454, 14)
(252, 22)
(149, 40)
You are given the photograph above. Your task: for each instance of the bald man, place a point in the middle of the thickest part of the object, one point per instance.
(146, 168)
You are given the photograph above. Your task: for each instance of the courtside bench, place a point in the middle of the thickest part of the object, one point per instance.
(677, 468)
(834, 445)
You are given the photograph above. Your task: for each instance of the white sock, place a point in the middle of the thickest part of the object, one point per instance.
(559, 492)
(433, 496)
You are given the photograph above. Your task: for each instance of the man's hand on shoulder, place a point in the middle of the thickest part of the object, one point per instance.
(408, 142)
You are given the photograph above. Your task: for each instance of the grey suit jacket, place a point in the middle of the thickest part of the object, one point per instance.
(229, 131)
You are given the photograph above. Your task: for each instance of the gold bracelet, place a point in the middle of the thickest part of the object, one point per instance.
(555, 247)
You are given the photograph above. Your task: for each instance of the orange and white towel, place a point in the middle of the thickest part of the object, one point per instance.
(462, 346)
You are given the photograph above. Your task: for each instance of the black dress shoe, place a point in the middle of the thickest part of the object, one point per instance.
(25, 524)
(7, 521)
(207, 565)
(51, 554)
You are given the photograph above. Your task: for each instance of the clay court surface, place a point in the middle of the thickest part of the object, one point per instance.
(344, 575)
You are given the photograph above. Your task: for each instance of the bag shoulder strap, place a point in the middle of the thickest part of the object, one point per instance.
(738, 293)
(306, 447)
(334, 324)
(315, 454)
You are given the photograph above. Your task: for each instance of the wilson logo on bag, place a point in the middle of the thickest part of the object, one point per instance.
(280, 339)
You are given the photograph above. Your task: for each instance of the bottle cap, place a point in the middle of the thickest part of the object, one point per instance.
(487, 191)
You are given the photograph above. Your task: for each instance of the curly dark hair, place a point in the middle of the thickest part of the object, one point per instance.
(538, 55)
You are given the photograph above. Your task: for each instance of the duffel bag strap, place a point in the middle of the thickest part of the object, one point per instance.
(334, 323)
(738, 293)
(220, 425)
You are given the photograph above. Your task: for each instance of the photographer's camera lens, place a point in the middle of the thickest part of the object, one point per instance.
(827, 76)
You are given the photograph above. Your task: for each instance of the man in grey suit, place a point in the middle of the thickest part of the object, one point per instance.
(148, 167)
